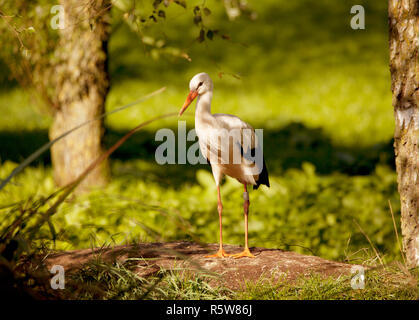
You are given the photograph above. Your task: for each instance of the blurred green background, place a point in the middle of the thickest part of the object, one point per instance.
(319, 89)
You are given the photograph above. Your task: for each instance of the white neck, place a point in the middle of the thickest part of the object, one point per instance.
(203, 106)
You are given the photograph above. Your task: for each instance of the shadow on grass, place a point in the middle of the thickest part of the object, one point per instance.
(285, 148)
(285, 40)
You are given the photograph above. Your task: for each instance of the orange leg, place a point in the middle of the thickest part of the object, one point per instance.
(246, 252)
(220, 253)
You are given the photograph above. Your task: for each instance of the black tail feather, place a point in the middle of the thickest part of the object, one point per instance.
(263, 177)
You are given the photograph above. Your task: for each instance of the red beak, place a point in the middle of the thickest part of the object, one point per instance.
(191, 97)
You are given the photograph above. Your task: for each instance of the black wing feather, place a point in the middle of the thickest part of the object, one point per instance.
(263, 177)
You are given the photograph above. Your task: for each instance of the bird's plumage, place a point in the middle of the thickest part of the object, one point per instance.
(224, 132)
(216, 137)
(230, 145)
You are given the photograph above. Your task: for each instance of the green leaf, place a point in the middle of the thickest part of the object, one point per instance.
(52, 229)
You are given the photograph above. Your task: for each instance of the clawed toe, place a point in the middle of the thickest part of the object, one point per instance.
(220, 254)
(244, 253)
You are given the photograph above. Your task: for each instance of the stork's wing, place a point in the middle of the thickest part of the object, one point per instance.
(246, 131)
(240, 140)
(228, 139)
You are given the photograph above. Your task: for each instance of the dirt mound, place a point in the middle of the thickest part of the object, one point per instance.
(269, 263)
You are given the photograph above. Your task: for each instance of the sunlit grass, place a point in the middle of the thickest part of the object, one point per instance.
(379, 285)
(301, 211)
(101, 280)
(299, 62)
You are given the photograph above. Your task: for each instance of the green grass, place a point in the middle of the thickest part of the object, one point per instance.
(99, 280)
(321, 92)
(379, 285)
(302, 211)
(298, 62)
(117, 281)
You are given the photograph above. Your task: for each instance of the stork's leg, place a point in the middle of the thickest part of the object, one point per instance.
(246, 252)
(220, 253)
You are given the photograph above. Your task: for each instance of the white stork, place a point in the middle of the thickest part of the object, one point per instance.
(224, 132)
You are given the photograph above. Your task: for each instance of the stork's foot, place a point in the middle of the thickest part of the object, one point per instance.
(220, 254)
(245, 253)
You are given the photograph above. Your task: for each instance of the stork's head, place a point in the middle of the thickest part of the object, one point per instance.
(199, 84)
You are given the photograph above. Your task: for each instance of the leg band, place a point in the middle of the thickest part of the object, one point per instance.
(246, 196)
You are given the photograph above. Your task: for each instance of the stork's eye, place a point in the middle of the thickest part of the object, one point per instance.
(200, 84)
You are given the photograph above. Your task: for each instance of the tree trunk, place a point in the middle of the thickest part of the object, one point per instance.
(81, 85)
(404, 67)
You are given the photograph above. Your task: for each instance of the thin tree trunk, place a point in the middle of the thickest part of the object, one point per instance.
(81, 85)
(404, 67)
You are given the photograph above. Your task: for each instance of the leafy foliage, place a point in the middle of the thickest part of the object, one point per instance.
(319, 89)
(301, 211)
(327, 138)
(28, 45)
